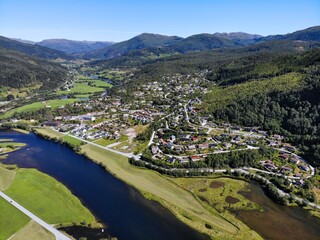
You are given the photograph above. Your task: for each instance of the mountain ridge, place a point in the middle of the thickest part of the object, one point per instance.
(32, 50)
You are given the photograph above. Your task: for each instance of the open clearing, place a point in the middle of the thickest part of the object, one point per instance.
(50, 133)
(47, 198)
(72, 141)
(39, 105)
(33, 231)
(11, 219)
(6, 178)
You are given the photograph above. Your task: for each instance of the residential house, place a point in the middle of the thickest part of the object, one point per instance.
(195, 158)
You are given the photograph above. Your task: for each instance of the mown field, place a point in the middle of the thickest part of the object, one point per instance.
(6, 177)
(72, 141)
(47, 198)
(115, 75)
(39, 105)
(49, 132)
(80, 88)
(84, 86)
(11, 219)
(33, 231)
(105, 142)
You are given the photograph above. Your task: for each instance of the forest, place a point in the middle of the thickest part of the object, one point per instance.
(18, 70)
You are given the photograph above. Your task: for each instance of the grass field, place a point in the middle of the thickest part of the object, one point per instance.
(6, 177)
(47, 198)
(73, 141)
(115, 75)
(7, 147)
(50, 133)
(21, 130)
(81, 88)
(105, 142)
(11, 219)
(20, 93)
(214, 192)
(178, 200)
(86, 86)
(33, 231)
(39, 105)
(98, 83)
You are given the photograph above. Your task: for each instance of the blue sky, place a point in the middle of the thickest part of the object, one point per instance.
(118, 20)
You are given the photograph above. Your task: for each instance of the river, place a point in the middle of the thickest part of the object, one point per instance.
(129, 215)
(125, 212)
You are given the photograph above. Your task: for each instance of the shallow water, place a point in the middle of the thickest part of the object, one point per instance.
(277, 221)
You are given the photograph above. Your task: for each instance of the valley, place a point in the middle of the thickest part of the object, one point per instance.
(194, 131)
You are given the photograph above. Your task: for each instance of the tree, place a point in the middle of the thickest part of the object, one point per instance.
(10, 97)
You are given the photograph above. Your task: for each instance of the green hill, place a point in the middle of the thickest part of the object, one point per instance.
(142, 41)
(70, 46)
(309, 34)
(19, 70)
(201, 42)
(30, 49)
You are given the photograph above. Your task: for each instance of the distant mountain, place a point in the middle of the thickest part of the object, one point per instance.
(23, 41)
(142, 41)
(309, 34)
(19, 70)
(33, 50)
(70, 46)
(201, 42)
(239, 38)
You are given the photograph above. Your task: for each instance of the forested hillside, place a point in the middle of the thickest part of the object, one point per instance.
(274, 85)
(281, 95)
(32, 50)
(18, 70)
(142, 41)
(70, 46)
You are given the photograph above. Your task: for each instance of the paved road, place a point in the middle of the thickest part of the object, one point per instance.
(186, 111)
(129, 155)
(57, 234)
(151, 139)
(244, 170)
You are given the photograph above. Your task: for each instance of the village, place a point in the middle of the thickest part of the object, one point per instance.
(185, 135)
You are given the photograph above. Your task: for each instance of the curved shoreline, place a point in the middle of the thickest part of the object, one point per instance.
(154, 186)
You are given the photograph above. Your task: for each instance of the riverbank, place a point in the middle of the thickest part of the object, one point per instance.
(179, 201)
(157, 187)
(43, 196)
(21, 130)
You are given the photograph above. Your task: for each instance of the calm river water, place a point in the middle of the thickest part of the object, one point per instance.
(130, 216)
(120, 207)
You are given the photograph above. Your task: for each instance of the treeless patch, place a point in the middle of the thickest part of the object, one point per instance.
(215, 184)
(231, 200)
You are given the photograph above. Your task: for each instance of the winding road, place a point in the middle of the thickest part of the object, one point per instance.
(244, 170)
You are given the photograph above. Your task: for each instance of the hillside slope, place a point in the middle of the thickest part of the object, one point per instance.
(142, 41)
(309, 34)
(70, 46)
(19, 70)
(32, 50)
